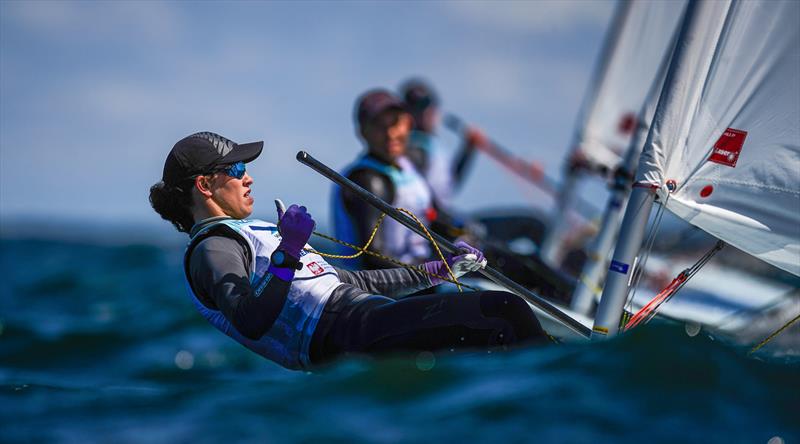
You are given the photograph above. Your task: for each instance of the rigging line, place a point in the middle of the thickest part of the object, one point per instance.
(646, 313)
(773, 335)
(675, 286)
(751, 311)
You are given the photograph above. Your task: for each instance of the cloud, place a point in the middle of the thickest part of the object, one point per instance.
(532, 16)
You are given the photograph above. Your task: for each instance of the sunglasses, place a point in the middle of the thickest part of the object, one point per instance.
(235, 170)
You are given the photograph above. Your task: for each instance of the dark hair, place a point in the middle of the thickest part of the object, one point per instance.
(173, 203)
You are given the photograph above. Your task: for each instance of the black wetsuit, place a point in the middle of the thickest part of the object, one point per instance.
(362, 315)
(364, 215)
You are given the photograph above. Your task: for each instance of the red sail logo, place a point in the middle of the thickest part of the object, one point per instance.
(627, 124)
(726, 150)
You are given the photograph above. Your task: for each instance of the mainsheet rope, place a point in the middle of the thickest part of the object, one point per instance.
(773, 335)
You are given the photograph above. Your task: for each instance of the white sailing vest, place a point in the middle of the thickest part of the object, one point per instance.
(289, 339)
(438, 172)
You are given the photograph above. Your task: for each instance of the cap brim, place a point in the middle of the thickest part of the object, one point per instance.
(245, 152)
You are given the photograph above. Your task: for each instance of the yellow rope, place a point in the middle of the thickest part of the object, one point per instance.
(435, 245)
(552, 338)
(363, 249)
(626, 316)
(772, 336)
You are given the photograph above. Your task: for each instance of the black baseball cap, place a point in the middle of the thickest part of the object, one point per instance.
(202, 152)
(374, 102)
(418, 95)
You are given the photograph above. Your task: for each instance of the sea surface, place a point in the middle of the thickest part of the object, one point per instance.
(99, 343)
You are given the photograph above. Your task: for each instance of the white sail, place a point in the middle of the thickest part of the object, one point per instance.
(726, 138)
(637, 49)
(640, 38)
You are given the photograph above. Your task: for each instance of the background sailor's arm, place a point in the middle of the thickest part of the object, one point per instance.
(473, 138)
(364, 215)
(392, 282)
(219, 269)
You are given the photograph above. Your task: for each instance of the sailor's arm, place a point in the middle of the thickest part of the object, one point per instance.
(219, 274)
(397, 282)
(473, 138)
(391, 282)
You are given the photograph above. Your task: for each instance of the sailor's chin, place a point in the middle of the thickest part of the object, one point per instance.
(395, 152)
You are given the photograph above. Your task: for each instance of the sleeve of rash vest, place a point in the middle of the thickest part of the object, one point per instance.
(219, 268)
(391, 282)
(461, 163)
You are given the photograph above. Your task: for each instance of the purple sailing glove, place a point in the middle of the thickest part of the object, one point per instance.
(469, 259)
(295, 226)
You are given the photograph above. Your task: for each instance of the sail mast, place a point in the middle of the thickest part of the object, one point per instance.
(593, 272)
(589, 281)
(702, 26)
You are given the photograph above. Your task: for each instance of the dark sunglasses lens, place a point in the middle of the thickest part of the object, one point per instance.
(236, 170)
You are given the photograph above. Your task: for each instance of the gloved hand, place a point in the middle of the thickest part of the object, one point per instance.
(469, 259)
(295, 226)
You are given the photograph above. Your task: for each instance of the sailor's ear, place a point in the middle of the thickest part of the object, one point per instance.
(203, 185)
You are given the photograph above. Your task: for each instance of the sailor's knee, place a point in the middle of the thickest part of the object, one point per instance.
(514, 310)
(502, 303)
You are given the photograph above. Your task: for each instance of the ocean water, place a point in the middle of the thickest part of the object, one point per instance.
(98, 343)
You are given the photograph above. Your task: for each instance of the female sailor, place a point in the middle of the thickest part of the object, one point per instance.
(261, 284)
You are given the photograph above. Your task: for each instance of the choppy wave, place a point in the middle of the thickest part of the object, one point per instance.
(99, 344)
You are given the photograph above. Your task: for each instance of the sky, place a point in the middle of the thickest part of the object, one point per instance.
(94, 94)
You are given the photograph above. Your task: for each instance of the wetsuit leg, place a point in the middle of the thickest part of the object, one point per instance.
(468, 320)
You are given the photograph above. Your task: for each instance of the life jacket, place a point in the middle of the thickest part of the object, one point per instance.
(438, 173)
(287, 342)
(410, 192)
